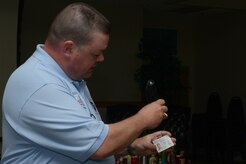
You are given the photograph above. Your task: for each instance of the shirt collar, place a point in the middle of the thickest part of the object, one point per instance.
(48, 61)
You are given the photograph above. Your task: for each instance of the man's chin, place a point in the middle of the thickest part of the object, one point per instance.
(87, 76)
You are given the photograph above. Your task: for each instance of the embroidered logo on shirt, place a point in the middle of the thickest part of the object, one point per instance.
(80, 101)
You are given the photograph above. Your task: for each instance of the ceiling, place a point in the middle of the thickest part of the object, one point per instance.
(178, 6)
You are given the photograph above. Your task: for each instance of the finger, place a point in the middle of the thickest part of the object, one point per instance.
(159, 134)
(161, 101)
(174, 140)
(165, 115)
(164, 108)
(163, 133)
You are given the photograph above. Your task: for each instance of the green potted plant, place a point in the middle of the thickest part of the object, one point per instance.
(158, 51)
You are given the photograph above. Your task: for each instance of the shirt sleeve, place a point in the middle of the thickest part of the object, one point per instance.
(54, 119)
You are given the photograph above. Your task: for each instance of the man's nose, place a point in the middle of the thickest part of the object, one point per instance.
(100, 58)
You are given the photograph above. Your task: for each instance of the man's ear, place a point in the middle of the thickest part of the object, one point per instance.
(68, 47)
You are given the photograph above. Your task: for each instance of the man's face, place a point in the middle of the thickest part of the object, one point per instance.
(85, 58)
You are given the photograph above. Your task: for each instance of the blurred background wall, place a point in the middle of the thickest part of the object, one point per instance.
(211, 44)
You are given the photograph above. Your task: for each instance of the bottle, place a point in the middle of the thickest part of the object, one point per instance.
(143, 160)
(182, 157)
(159, 160)
(173, 156)
(125, 160)
(163, 158)
(134, 159)
(168, 158)
(152, 159)
(129, 159)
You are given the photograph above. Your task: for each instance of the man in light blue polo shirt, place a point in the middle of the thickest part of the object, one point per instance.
(48, 113)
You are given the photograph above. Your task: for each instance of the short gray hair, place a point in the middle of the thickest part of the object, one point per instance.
(76, 22)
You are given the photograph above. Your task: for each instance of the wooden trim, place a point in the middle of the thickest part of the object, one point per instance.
(104, 104)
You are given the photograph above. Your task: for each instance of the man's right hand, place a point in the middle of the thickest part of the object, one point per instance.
(123, 133)
(152, 114)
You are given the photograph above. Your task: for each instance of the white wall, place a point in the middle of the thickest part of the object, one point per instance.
(220, 59)
(211, 46)
(186, 26)
(114, 79)
(8, 33)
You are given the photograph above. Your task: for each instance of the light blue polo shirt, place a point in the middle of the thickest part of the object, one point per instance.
(48, 118)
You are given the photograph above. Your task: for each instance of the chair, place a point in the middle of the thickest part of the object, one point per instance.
(235, 129)
(198, 136)
(215, 129)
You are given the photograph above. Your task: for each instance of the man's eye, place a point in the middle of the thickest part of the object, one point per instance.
(98, 54)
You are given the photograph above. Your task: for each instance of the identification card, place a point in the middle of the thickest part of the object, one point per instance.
(163, 143)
